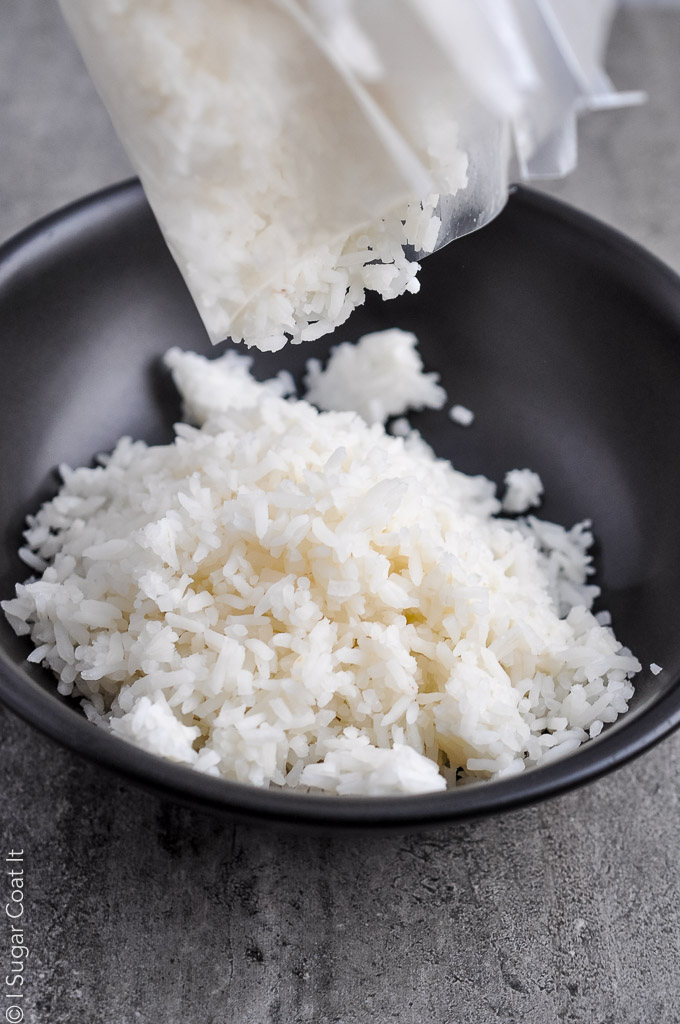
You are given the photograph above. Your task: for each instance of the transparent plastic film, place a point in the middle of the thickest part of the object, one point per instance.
(299, 152)
(254, 147)
(508, 78)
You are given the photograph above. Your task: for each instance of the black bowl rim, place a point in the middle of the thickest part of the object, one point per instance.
(634, 734)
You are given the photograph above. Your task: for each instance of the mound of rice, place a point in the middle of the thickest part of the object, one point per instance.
(294, 598)
(378, 377)
(523, 490)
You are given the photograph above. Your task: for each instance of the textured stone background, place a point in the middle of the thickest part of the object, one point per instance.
(141, 912)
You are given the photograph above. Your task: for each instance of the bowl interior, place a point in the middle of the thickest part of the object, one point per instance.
(559, 334)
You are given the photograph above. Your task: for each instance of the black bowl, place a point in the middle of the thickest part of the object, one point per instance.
(560, 334)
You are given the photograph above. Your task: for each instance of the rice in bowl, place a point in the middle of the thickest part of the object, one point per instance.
(293, 598)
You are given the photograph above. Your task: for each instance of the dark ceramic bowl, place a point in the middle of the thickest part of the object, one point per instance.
(561, 335)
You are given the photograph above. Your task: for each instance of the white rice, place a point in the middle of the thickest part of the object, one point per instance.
(400, 427)
(523, 490)
(461, 415)
(293, 598)
(378, 377)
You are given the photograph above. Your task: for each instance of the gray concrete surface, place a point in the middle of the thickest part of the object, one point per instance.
(137, 911)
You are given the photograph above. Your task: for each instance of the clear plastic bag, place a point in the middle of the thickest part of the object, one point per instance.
(512, 75)
(292, 149)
